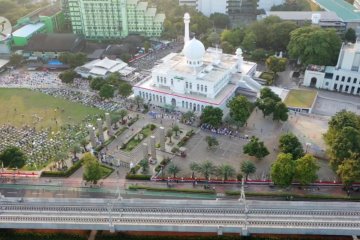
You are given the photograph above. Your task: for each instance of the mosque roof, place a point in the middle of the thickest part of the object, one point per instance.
(194, 50)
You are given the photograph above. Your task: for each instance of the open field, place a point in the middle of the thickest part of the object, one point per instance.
(300, 98)
(25, 107)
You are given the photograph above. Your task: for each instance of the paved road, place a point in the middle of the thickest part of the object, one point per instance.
(252, 217)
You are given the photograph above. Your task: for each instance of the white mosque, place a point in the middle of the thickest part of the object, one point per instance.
(196, 78)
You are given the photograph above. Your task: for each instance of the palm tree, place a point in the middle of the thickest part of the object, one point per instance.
(206, 168)
(75, 149)
(226, 171)
(169, 134)
(187, 116)
(173, 169)
(176, 129)
(123, 113)
(138, 100)
(247, 167)
(83, 143)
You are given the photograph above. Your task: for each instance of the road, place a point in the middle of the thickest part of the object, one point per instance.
(268, 217)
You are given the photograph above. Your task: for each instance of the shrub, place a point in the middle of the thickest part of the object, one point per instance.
(138, 177)
(186, 190)
(175, 149)
(135, 169)
(66, 173)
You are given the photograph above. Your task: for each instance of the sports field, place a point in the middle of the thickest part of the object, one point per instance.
(19, 107)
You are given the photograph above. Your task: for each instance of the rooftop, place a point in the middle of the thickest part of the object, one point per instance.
(160, 17)
(300, 98)
(57, 42)
(142, 6)
(304, 16)
(28, 30)
(343, 9)
(150, 12)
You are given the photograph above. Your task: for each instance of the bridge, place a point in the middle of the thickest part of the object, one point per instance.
(197, 216)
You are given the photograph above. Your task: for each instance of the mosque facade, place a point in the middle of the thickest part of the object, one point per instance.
(196, 77)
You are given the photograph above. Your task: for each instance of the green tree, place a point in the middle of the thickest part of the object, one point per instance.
(267, 102)
(61, 157)
(138, 101)
(73, 59)
(68, 76)
(75, 149)
(276, 64)
(350, 35)
(255, 148)
(280, 112)
(306, 169)
(249, 42)
(97, 83)
(289, 143)
(125, 90)
(279, 34)
(240, 109)
(212, 142)
(144, 164)
(349, 171)
(227, 47)
(173, 169)
(206, 168)
(213, 38)
(147, 46)
(212, 116)
(169, 134)
(234, 37)
(84, 142)
(13, 157)
(247, 167)
(123, 113)
(283, 170)
(106, 91)
(314, 45)
(92, 168)
(15, 60)
(220, 20)
(226, 171)
(176, 129)
(188, 116)
(293, 5)
(259, 54)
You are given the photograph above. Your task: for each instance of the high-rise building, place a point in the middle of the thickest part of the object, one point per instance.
(109, 19)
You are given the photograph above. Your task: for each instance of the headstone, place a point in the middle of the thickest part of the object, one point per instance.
(162, 138)
(145, 150)
(108, 124)
(100, 130)
(152, 147)
(91, 130)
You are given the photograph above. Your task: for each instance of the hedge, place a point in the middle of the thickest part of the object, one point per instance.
(66, 173)
(185, 190)
(138, 177)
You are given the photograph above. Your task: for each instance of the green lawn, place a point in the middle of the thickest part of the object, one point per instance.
(105, 171)
(23, 106)
(300, 98)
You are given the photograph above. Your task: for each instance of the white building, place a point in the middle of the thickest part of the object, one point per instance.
(196, 78)
(344, 77)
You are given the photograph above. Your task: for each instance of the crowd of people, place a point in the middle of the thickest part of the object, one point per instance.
(17, 78)
(224, 131)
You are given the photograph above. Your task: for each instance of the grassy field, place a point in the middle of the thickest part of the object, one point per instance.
(300, 98)
(23, 106)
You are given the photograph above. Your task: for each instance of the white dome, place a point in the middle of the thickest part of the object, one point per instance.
(194, 50)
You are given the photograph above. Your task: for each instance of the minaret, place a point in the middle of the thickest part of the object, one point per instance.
(187, 28)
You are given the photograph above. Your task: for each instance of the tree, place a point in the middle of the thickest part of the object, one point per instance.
(61, 157)
(13, 157)
(213, 38)
(169, 134)
(147, 46)
(206, 168)
(283, 170)
(138, 100)
(68, 76)
(15, 60)
(75, 149)
(84, 142)
(212, 142)
(225, 171)
(212, 116)
(220, 20)
(173, 169)
(279, 34)
(144, 164)
(350, 35)
(107, 91)
(123, 113)
(188, 116)
(267, 103)
(255, 148)
(306, 170)
(227, 47)
(73, 59)
(258, 54)
(289, 143)
(247, 167)
(280, 112)
(314, 45)
(92, 169)
(349, 170)
(240, 109)
(97, 83)
(125, 90)
(276, 64)
(249, 42)
(293, 5)
(176, 129)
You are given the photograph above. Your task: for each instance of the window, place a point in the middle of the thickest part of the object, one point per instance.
(187, 105)
(346, 88)
(335, 86)
(190, 85)
(326, 84)
(197, 87)
(202, 87)
(205, 88)
(355, 80)
(183, 104)
(349, 79)
(186, 85)
(172, 81)
(343, 79)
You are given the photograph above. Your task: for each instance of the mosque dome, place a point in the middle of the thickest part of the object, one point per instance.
(194, 50)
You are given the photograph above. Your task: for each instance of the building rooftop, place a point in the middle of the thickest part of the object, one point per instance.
(55, 42)
(316, 68)
(49, 10)
(160, 17)
(304, 16)
(142, 6)
(299, 98)
(133, 2)
(28, 30)
(150, 12)
(343, 9)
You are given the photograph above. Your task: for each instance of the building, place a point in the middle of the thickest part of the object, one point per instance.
(322, 19)
(357, 4)
(21, 36)
(50, 46)
(196, 78)
(103, 68)
(268, 4)
(344, 77)
(51, 15)
(347, 12)
(109, 19)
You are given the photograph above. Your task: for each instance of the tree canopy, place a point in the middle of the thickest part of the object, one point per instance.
(92, 169)
(106, 91)
(256, 148)
(276, 64)
(350, 35)
(247, 167)
(68, 76)
(306, 170)
(289, 143)
(270, 103)
(240, 109)
(314, 45)
(212, 116)
(73, 59)
(283, 170)
(125, 89)
(13, 157)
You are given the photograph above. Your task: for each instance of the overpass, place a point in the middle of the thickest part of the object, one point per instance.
(198, 216)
